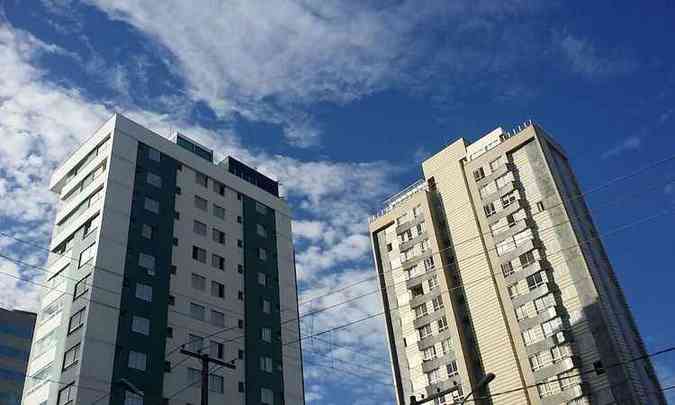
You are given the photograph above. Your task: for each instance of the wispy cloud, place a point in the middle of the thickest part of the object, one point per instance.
(631, 143)
(585, 59)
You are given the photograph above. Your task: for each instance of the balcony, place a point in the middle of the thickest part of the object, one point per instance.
(543, 316)
(411, 242)
(537, 292)
(512, 208)
(503, 190)
(400, 228)
(499, 171)
(553, 369)
(521, 272)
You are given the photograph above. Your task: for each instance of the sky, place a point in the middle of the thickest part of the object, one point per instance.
(341, 101)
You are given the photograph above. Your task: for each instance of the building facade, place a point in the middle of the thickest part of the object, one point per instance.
(157, 248)
(16, 332)
(492, 263)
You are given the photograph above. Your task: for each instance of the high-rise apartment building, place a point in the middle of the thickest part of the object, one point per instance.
(16, 331)
(156, 246)
(492, 264)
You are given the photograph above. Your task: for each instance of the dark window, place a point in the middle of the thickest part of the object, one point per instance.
(239, 219)
(81, 287)
(199, 254)
(201, 179)
(169, 332)
(240, 295)
(172, 300)
(217, 289)
(240, 268)
(240, 323)
(240, 243)
(218, 236)
(76, 320)
(478, 174)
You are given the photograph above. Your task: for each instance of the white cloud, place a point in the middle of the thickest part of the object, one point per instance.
(585, 59)
(628, 144)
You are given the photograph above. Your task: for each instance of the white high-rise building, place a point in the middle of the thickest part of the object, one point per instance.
(155, 245)
(492, 264)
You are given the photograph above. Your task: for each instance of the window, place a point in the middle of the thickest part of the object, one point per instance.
(560, 352)
(201, 203)
(489, 209)
(446, 345)
(131, 398)
(198, 282)
(442, 324)
(147, 262)
(216, 383)
(510, 221)
(507, 269)
(219, 187)
(216, 350)
(540, 206)
(140, 325)
(91, 225)
(197, 311)
(266, 306)
(424, 331)
(193, 375)
(218, 261)
(429, 353)
(420, 310)
(496, 163)
(522, 237)
(137, 360)
(437, 303)
(195, 342)
(540, 360)
(514, 291)
(151, 205)
(146, 231)
(153, 154)
(261, 230)
(532, 335)
(434, 376)
(201, 179)
(218, 236)
(548, 388)
(266, 396)
(502, 180)
(81, 287)
(66, 395)
(76, 320)
(527, 259)
(199, 228)
(144, 292)
(522, 312)
(199, 254)
(217, 318)
(508, 199)
(217, 289)
(262, 254)
(416, 291)
(479, 174)
(428, 263)
(71, 356)
(153, 179)
(536, 279)
(266, 334)
(87, 254)
(505, 246)
(266, 364)
(262, 279)
(541, 303)
(552, 326)
(389, 247)
(452, 368)
(433, 282)
(218, 211)
(260, 208)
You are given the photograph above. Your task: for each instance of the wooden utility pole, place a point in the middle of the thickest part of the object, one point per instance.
(206, 360)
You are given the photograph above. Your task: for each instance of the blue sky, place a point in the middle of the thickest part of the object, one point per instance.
(341, 100)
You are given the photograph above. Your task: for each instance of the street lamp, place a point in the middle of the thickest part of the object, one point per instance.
(487, 378)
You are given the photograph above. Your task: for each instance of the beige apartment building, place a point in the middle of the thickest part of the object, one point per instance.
(492, 263)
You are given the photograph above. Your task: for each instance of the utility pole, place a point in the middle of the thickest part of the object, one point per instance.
(206, 360)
